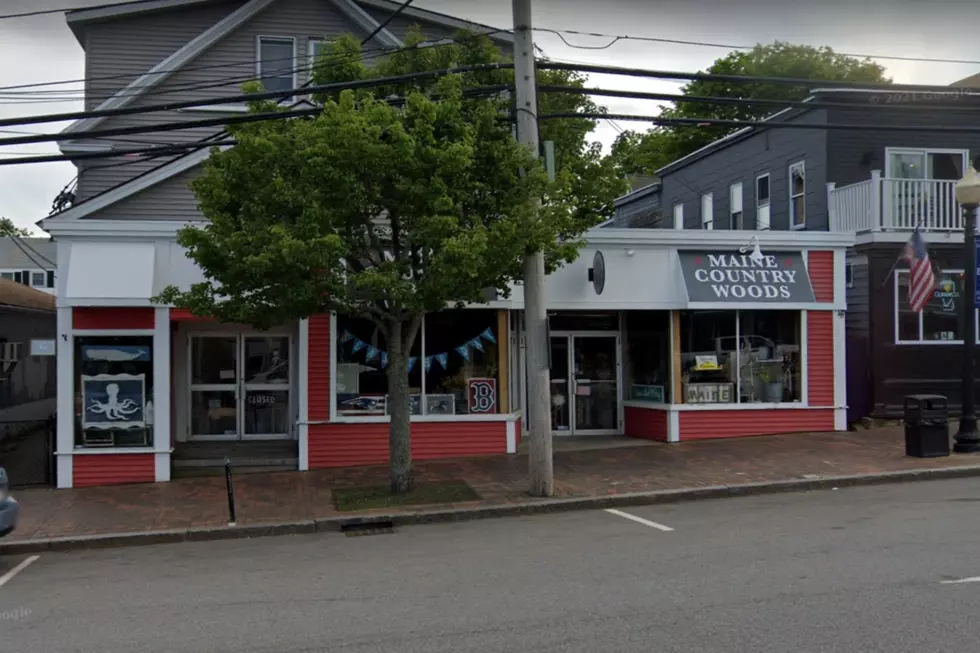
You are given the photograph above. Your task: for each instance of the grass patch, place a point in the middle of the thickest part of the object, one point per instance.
(367, 498)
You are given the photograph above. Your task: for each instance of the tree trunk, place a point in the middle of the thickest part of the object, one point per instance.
(399, 433)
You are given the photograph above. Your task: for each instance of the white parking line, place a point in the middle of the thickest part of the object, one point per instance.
(16, 570)
(638, 520)
(974, 579)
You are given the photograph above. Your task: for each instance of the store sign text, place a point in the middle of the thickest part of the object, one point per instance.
(726, 277)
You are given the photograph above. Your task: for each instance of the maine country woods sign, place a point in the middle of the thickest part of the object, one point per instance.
(733, 277)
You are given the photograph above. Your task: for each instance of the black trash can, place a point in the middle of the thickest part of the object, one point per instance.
(926, 426)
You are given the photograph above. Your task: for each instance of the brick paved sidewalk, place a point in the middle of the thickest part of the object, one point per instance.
(500, 480)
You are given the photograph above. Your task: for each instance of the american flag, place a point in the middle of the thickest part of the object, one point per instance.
(922, 280)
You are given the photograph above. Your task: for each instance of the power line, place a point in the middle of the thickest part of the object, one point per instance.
(42, 12)
(152, 152)
(24, 243)
(381, 26)
(720, 122)
(616, 38)
(16, 241)
(228, 99)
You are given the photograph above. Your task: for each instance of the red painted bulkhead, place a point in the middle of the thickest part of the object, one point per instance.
(708, 424)
(645, 423)
(112, 318)
(112, 469)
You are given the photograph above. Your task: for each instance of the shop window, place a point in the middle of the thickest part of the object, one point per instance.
(769, 357)
(461, 362)
(939, 320)
(114, 391)
(454, 365)
(708, 365)
(648, 356)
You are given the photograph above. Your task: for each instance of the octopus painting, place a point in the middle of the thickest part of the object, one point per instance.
(112, 408)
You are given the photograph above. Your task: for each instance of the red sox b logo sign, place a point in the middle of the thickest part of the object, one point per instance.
(481, 395)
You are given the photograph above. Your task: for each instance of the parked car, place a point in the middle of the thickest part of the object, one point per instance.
(9, 508)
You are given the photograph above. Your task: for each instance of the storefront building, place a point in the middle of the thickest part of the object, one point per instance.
(670, 335)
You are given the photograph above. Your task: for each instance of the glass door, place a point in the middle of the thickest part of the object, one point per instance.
(265, 395)
(595, 384)
(214, 372)
(560, 382)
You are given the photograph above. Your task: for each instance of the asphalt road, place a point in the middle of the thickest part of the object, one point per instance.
(855, 570)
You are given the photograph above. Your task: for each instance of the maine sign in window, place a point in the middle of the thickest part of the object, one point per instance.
(779, 278)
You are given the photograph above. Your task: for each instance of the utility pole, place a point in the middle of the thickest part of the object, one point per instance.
(538, 413)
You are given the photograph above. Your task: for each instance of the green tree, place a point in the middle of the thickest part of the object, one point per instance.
(645, 153)
(388, 210)
(8, 228)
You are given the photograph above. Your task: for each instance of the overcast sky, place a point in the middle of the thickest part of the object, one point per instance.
(42, 49)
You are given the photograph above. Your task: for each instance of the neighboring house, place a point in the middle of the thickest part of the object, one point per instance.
(638, 209)
(29, 261)
(27, 383)
(876, 184)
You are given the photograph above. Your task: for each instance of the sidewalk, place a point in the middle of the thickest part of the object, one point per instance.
(293, 497)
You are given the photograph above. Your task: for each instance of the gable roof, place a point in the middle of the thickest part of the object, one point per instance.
(20, 296)
(198, 45)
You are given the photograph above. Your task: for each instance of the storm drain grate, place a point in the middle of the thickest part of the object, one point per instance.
(368, 528)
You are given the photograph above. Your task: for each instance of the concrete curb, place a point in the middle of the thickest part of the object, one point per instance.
(529, 507)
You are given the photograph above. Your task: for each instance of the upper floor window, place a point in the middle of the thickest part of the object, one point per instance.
(797, 195)
(678, 216)
(735, 205)
(277, 62)
(39, 279)
(707, 211)
(762, 202)
(904, 163)
(314, 48)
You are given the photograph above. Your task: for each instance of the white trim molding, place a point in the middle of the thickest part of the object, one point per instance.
(511, 436)
(302, 425)
(161, 392)
(365, 21)
(673, 426)
(165, 68)
(840, 372)
(65, 365)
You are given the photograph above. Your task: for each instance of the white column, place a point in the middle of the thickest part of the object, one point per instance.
(302, 387)
(673, 426)
(161, 394)
(840, 372)
(66, 397)
(804, 355)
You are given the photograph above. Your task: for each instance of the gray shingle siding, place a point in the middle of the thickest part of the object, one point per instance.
(772, 152)
(642, 212)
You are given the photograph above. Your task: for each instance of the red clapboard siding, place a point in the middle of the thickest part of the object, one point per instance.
(707, 424)
(520, 430)
(820, 265)
(112, 318)
(349, 445)
(820, 357)
(645, 423)
(318, 381)
(112, 469)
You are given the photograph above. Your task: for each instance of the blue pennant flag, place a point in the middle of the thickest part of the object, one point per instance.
(372, 351)
(384, 359)
(464, 351)
(443, 359)
(346, 336)
(411, 362)
(428, 363)
(476, 343)
(488, 335)
(358, 345)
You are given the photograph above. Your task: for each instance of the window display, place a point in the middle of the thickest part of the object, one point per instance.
(648, 356)
(453, 365)
(708, 363)
(114, 391)
(939, 321)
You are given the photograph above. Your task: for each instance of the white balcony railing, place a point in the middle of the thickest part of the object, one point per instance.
(880, 204)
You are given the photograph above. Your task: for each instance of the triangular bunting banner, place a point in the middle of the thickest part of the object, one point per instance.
(346, 336)
(372, 351)
(488, 335)
(464, 351)
(384, 359)
(476, 343)
(443, 359)
(411, 362)
(358, 345)
(428, 363)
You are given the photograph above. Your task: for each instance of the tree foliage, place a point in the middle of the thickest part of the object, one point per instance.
(644, 153)
(391, 203)
(8, 228)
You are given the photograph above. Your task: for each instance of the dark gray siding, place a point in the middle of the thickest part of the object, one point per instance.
(771, 152)
(857, 318)
(853, 154)
(642, 212)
